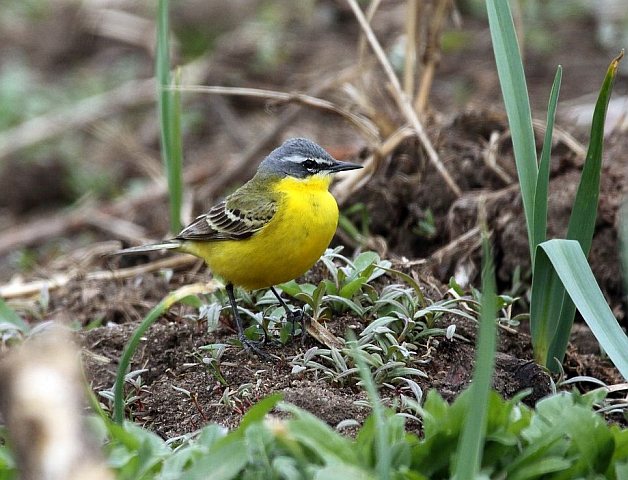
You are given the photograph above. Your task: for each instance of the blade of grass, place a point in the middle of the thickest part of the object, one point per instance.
(471, 443)
(517, 103)
(543, 332)
(169, 118)
(584, 212)
(546, 307)
(131, 346)
(382, 448)
(567, 259)
(542, 179)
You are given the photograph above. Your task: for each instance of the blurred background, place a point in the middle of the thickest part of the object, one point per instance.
(79, 132)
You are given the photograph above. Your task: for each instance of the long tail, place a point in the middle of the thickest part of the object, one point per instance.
(167, 245)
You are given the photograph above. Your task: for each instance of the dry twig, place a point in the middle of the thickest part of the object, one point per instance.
(402, 100)
(410, 60)
(58, 281)
(363, 124)
(432, 55)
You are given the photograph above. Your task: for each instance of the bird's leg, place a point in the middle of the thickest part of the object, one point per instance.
(293, 316)
(248, 344)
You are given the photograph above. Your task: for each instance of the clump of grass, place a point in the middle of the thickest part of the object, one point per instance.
(561, 277)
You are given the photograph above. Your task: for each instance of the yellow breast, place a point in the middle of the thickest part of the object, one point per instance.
(295, 238)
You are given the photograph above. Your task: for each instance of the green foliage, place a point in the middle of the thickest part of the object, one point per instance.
(539, 212)
(565, 261)
(552, 308)
(359, 229)
(584, 211)
(348, 288)
(515, 92)
(562, 439)
(472, 437)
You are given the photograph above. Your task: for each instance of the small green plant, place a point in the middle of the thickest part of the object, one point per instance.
(426, 227)
(358, 231)
(211, 361)
(397, 321)
(12, 326)
(136, 391)
(347, 289)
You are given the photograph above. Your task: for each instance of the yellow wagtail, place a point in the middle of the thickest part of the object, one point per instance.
(270, 230)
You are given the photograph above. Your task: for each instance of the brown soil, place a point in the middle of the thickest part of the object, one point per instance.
(168, 353)
(178, 392)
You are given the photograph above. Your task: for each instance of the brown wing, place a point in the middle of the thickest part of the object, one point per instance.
(238, 217)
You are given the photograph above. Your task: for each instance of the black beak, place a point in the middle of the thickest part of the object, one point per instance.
(342, 166)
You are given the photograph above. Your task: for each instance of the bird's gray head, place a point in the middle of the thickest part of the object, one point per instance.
(301, 158)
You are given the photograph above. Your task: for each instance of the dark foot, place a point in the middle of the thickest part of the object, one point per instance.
(252, 346)
(295, 317)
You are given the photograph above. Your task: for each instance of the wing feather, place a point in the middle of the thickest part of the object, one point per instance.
(237, 217)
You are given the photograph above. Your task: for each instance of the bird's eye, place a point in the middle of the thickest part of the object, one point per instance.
(309, 164)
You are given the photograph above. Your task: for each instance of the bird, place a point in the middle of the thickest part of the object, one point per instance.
(271, 230)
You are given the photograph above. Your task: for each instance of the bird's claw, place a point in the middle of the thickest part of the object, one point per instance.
(252, 346)
(294, 317)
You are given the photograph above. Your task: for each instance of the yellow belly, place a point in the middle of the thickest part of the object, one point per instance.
(295, 238)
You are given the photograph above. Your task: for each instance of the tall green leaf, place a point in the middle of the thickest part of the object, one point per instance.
(169, 118)
(567, 260)
(542, 180)
(546, 305)
(515, 93)
(584, 211)
(471, 441)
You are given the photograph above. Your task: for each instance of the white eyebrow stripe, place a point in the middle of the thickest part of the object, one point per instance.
(294, 159)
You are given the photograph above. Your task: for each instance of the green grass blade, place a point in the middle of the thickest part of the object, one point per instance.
(584, 211)
(515, 93)
(382, 446)
(169, 118)
(567, 259)
(131, 346)
(542, 180)
(471, 442)
(545, 310)
(8, 315)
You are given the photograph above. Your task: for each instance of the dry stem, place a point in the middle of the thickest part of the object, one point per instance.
(432, 55)
(402, 100)
(363, 124)
(61, 280)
